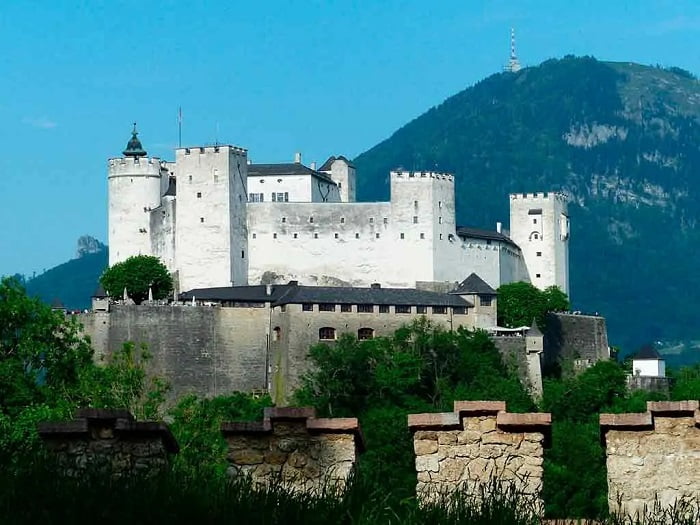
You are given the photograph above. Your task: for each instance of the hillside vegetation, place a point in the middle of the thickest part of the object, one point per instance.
(621, 139)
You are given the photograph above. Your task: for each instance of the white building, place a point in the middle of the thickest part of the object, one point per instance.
(648, 363)
(217, 220)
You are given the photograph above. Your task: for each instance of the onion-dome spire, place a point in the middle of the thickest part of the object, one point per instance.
(134, 147)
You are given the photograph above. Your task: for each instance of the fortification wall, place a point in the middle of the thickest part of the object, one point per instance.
(476, 446)
(204, 350)
(573, 336)
(292, 447)
(652, 456)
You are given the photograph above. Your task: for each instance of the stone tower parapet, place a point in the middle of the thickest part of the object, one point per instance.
(653, 456)
(293, 447)
(477, 445)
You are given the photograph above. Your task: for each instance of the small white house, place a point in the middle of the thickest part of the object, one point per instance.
(648, 363)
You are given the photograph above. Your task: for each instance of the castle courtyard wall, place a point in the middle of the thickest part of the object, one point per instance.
(575, 336)
(293, 449)
(652, 457)
(476, 447)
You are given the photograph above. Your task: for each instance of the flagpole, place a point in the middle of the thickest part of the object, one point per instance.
(179, 127)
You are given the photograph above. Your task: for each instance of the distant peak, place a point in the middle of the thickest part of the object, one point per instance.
(88, 245)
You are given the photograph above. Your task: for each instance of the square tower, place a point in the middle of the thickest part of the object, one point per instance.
(211, 240)
(539, 225)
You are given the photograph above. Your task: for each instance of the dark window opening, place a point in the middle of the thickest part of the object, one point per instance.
(326, 333)
(365, 333)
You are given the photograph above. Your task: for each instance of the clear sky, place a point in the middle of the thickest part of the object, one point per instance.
(275, 77)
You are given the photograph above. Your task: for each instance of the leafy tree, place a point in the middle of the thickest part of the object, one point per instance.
(137, 274)
(686, 383)
(520, 302)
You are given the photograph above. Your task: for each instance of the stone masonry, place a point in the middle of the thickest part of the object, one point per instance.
(478, 445)
(653, 455)
(109, 441)
(293, 448)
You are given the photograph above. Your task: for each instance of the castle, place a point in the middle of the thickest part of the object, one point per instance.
(217, 220)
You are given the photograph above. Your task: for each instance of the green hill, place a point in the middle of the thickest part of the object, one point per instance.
(621, 139)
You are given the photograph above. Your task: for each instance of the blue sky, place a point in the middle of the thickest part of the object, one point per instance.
(275, 77)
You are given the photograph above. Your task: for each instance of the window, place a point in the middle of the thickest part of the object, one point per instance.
(280, 197)
(415, 220)
(256, 197)
(376, 235)
(383, 308)
(274, 235)
(371, 220)
(415, 203)
(485, 300)
(201, 219)
(199, 194)
(307, 307)
(439, 309)
(296, 235)
(539, 254)
(537, 275)
(346, 308)
(311, 219)
(326, 307)
(189, 178)
(439, 204)
(326, 333)
(274, 197)
(439, 220)
(534, 221)
(276, 333)
(421, 309)
(402, 309)
(315, 235)
(386, 220)
(242, 254)
(459, 310)
(488, 242)
(441, 236)
(342, 220)
(365, 333)
(284, 219)
(422, 235)
(357, 236)
(402, 236)
(365, 308)
(336, 235)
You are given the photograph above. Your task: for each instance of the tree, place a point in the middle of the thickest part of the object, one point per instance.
(137, 274)
(519, 303)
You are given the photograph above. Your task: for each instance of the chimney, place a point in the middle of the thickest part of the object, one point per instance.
(297, 158)
(498, 227)
(313, 165)
(375, 286)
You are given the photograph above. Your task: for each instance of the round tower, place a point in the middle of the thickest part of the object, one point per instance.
(134, 189)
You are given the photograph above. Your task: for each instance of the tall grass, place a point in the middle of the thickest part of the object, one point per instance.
(38, 494)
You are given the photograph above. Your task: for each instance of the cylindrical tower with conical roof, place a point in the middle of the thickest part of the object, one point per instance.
(134, 182)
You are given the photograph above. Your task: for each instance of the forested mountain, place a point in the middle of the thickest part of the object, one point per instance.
(621, 139)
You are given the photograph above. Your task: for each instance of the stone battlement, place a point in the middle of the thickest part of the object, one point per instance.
(203, 150)
(293, 447)
(422, 175)
(130, 162)
(477, 444)
(652, 457)
(540, 195)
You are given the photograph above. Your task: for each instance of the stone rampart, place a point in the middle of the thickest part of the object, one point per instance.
(109, 441)
(652, 456)
(575, 337)
(477, 446)
(292, 448)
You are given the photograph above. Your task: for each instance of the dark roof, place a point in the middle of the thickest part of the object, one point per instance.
(478, 233)
(294, 294)
(534, 329)
(647, 352)
(474, 284)
(172, 187)
(99, 292)
(282, 170)
(327, 165)
(134, 147)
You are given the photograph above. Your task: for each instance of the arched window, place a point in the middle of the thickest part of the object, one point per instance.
(276, 333)
(326, 333)
(534, 235)
(365, 333)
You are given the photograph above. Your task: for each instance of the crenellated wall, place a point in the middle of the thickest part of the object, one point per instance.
(293, 448)
(477, 445)
(654, 455)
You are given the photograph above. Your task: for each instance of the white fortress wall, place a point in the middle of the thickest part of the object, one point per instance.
(134, 186)
(296, 187)
(210, 240)
(163, 232)
(344, 175)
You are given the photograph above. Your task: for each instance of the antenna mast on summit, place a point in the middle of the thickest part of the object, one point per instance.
(513, 65)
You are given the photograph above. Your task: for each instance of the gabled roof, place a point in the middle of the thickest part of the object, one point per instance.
(534, 330)
(327, 165)
(294, 294)
(172, 188)
(286, 169)
(647, 352)
(478, 233)
(474, 285)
